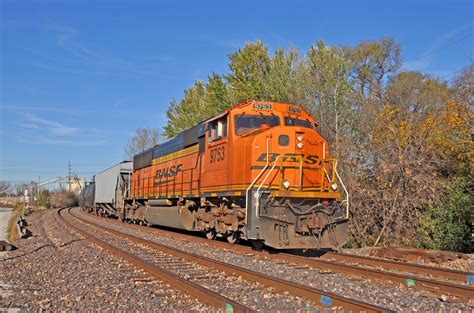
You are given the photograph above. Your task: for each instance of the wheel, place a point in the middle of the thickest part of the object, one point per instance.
(211, 234)
(257, 244)
(233, 237)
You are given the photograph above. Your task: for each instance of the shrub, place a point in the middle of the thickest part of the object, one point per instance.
(447, 223)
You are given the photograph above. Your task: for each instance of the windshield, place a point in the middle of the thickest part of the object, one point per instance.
(245, 123)
(290, 121)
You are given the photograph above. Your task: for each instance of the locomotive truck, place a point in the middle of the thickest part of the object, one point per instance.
(259, 171)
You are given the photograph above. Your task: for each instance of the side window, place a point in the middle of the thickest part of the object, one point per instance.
(218, 129)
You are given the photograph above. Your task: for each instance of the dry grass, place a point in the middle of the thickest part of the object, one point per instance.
(12, 231)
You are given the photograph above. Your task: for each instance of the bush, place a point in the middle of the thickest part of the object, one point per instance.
(63, 198)
(447, 223)
(43, 201)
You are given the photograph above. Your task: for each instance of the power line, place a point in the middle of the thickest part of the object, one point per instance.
(424, 56)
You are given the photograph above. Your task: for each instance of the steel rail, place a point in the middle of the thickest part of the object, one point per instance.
(415, 282)
(326, 299)
(407, 280)
(454, 275)
(185, 286)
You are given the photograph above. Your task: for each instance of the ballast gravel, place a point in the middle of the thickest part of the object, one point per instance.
(55, 270)
(398, 298)
(251, 294)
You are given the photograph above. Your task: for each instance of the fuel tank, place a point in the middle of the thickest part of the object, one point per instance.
(171, 216)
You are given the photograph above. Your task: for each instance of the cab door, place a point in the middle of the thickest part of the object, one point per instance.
(216, 156)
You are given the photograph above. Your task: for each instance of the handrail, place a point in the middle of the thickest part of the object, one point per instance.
(257, 204)
(253, 183)
(345, 190)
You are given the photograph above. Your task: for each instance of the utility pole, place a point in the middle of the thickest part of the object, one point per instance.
(38, 192)
(69, 176)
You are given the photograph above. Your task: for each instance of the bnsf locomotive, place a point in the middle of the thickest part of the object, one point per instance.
(259, 171)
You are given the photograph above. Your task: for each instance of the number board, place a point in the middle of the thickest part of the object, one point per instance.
(262, 106)
(295, 110)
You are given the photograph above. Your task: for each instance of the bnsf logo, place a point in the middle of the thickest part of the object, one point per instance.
(168, 171)
(289, 157)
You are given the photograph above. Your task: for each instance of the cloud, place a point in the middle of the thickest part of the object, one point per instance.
(38, 130)
(54, 127)
(77, 55)
(68, 39)
(41, 108)
(418, 64)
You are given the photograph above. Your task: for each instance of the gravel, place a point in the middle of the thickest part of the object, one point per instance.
(399, 298)
(56, 270)
(251, 294)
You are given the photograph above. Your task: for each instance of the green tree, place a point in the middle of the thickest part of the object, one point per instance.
(280, 84)
(329, 69)
(216, 96)
(188, 112)
(248, 69)
(447, 223)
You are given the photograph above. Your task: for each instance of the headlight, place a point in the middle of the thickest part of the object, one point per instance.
(334, 186)
(286, 184)
(299, 145)
(300, 138)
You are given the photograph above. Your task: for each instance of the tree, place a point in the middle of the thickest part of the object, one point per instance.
(372, 62)
(280, 83)
(248, 68)
(401, 171)
(329, 70)
(216, 96)
(143, 139)
(5, 188)
(463, 86)
(188, 112)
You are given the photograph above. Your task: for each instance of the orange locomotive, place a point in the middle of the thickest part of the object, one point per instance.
(259, 171)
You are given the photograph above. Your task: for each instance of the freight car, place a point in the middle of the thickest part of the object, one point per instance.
(105, 195)
(259, 171)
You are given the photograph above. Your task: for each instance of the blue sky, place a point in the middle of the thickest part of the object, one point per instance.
(78, 77)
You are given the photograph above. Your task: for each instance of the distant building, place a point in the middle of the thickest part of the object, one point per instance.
(76, 185)
(25, 198)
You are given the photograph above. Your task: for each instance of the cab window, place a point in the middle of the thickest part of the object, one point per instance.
(245, 123)
(291, 121)
(217, 129)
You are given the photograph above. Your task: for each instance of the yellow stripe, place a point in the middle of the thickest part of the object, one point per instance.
(175, 155)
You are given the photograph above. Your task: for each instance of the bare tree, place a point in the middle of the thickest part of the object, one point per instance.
(5, 188)
(143, 139)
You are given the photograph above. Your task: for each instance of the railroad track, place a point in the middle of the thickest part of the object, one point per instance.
(186, 286)
(320, 297)
(395, 272)
(453, 275)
